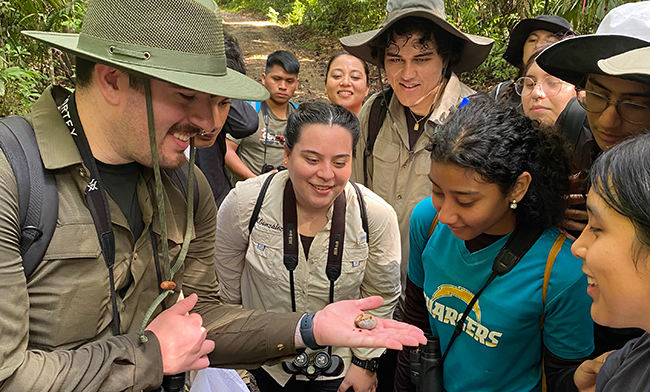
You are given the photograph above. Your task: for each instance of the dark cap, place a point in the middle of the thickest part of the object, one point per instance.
(555, 24)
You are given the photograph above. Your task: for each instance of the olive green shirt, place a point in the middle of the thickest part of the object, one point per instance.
(55, 329)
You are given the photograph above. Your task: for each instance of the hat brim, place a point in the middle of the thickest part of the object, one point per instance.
(476, 48)
(515, 50)
(232, 85)
(632, 64)
(574, 58)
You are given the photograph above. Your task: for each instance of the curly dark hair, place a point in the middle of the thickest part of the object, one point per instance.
(447, 45)
(499, 144)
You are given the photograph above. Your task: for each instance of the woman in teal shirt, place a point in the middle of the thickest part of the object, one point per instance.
(492, 172)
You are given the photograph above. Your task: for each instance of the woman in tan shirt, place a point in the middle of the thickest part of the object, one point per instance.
(253, 262)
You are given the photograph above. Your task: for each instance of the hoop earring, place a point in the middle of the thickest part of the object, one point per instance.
(513, 204)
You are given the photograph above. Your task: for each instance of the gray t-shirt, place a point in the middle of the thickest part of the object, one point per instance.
(251, 148)
(627, 369)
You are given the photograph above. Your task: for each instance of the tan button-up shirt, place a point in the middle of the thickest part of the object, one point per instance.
(396, 173)
(251, 270)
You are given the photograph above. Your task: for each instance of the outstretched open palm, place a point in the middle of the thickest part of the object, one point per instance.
(334, 326)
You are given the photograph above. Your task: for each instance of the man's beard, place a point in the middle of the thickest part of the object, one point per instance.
(178, 159)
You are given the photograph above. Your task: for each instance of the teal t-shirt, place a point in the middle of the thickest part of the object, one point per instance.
(500, 347)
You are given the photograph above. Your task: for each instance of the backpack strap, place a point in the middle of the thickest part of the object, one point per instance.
(571, 120)
(550, 260)
(500, 90)
(259, 201)
(375, 120)
(38, 197)
(363, 211)
(433, 226)
(552, 255)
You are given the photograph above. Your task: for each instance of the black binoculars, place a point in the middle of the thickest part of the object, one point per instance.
(320, 363)
(267, 168)
(426, 368)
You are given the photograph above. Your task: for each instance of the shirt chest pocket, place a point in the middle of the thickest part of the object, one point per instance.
(386, 151)
(73, 269)
(353, 267)
(265, 254)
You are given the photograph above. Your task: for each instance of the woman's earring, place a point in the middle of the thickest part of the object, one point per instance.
(513, 204)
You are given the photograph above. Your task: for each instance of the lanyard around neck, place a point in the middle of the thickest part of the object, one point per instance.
(291, 235)
(95, 197)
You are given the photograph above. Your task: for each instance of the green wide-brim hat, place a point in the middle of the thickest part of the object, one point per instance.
(475, 51)
(176, 41)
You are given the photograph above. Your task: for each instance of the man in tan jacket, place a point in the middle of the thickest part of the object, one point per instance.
(421, 53)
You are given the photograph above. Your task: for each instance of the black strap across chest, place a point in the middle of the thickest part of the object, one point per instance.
(520, 241)
(291, 239)
(96, 199)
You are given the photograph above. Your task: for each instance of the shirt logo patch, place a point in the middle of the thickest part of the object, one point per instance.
(356, 263)
(261, 246)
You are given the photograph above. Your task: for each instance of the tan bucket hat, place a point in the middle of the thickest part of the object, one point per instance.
(476, 49)
(176, 41)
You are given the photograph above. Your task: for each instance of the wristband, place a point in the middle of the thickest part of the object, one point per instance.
(307, 331)
(368, 364)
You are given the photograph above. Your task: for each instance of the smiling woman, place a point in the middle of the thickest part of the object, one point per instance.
(615, 250)
(493, 177)
(346, 81)
(264, 263)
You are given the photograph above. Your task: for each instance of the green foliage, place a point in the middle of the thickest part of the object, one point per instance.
(344, 17)
(489, 18)
(28, 66)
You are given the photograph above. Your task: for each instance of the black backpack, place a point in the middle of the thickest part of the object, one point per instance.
(376, 118)
(38, 197)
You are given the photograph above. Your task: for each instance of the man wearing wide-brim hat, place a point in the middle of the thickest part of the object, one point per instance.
(606, 68)
(617, 104)
(151, 70)
(421, 53)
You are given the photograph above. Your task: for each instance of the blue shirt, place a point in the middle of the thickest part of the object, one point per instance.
(500, 347)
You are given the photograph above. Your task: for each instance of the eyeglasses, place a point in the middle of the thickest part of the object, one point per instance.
(630, 111)
(551, 86)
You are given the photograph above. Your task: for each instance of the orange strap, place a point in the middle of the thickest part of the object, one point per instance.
(433, 226)
(555, 249)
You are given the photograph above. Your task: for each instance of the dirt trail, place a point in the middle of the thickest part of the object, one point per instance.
(258, 38)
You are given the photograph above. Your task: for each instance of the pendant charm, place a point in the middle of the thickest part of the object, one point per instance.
(416, 127)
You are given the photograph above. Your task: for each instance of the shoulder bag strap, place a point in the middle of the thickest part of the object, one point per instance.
(362, 210)
(258, 203)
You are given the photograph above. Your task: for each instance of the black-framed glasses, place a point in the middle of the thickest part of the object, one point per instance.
(551, 86)
(630, 111)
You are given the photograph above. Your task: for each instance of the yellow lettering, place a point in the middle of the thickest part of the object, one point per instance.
(439, 312)
(493, 339)
(470, 326)
(481, 333)
(451, 316)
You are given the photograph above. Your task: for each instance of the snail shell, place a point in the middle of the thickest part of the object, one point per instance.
(365, 321)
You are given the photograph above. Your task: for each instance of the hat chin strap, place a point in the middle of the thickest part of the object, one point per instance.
(435, 99)
(167, 270)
